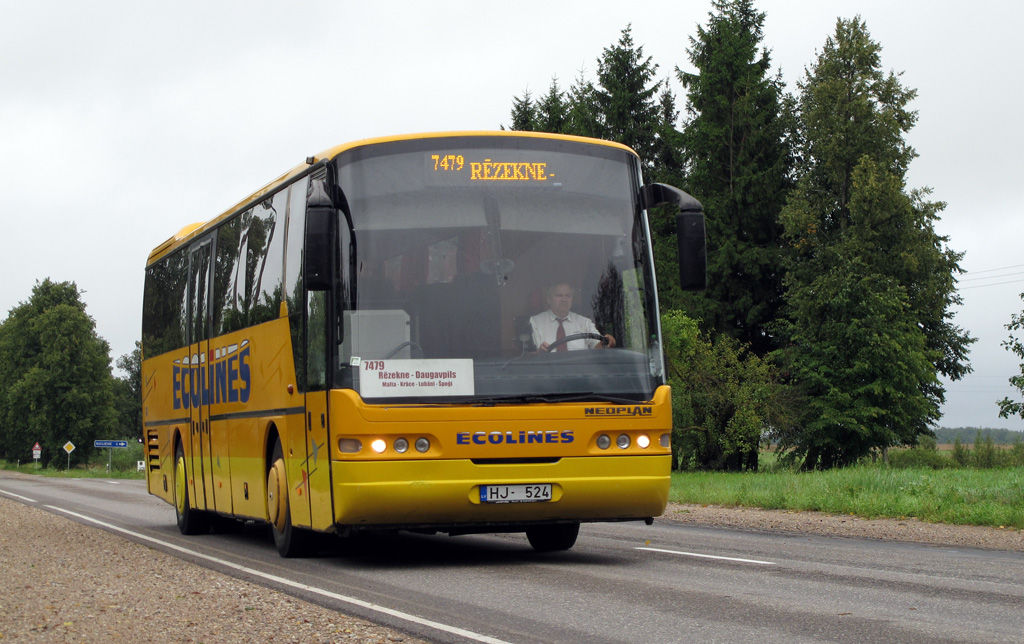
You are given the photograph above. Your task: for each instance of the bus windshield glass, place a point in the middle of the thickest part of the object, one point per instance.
(462, 260)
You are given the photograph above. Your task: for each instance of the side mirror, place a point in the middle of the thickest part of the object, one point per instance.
(317, 260)
(693, 272)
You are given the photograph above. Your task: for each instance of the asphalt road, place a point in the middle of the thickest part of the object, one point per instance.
(622, 583)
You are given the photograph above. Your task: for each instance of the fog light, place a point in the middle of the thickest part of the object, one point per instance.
(642, 441)
(401, 445)
(603, 441)
(422, 445)
(378, 445)
(622, 441)
(665, 441)
(349, 445)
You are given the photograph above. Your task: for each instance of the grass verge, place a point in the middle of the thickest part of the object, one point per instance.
(988, 497)
(87, 472)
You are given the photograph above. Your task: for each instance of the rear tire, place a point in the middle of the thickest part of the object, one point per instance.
(290, 541)
(553, 537)
(190, 520)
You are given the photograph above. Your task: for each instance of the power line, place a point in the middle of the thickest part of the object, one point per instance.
(992, 270)
(990, 277)
(984, 286)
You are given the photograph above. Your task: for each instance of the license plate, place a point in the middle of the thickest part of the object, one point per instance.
(515, 493)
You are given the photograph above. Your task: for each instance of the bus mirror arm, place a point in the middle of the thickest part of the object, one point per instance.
(689, 231)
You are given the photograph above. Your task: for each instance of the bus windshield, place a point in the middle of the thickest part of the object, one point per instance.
(460, 258)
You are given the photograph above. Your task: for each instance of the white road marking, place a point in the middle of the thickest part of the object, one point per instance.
(694, 554)
(17, 496)
(455, 630)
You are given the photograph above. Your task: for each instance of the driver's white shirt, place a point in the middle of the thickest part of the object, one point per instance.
(545, 328)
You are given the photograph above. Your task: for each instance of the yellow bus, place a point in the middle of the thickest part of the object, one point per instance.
(357, 345)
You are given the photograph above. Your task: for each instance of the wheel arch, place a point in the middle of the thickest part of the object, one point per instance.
(272, 436)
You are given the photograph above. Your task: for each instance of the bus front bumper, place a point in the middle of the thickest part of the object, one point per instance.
(445, 494)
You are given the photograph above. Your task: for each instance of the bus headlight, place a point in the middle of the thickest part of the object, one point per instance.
(401, 445)
(665, 440)
(642, 441)
(622, 441)
(378, 445)
(422, 445)
(603, 441)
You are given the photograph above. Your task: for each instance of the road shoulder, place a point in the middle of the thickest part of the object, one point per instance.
(820, 523)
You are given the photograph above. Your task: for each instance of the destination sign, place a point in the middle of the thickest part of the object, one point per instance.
(456, 168)
(398, 378)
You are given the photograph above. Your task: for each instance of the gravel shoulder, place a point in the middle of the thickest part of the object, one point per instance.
(127, 592)
(831, 525)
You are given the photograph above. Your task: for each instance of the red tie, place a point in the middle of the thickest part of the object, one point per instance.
(560, 335)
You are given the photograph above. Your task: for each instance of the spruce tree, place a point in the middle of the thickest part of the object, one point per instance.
(583, 115)
(626, 97)
(552, 110)
(739, 163)
(524, 113)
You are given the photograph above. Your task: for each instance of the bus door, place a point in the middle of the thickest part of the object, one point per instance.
(316, 468)
(201, 462)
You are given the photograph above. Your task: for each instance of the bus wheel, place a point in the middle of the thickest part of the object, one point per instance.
(190, 520)
(290, 541)
(549, 538)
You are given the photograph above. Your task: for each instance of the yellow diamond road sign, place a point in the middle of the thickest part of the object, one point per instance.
(69, 447)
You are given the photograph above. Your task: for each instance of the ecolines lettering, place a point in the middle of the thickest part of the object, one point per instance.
(514, 438)
(225, 378)
(639, 410)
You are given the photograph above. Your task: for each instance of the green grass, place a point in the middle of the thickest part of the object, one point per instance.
(93, 471)
(988, 497)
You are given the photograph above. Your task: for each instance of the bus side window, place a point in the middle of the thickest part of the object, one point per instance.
(316, 343)
(164, 305)
(227, 305)
(265, 263)
(295, 217)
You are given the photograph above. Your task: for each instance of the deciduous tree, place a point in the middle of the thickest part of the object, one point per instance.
(1014, 344)
(870, 284)
(55, 380)
(725, 399)
(128, 394)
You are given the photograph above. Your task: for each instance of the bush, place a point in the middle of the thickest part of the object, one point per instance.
(1015, 457)
(918, 457)
(961, 455)
(985, 455)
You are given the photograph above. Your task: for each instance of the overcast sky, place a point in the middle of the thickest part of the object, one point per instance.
(120, 122)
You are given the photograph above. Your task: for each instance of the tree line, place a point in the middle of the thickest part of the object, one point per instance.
(827, 320)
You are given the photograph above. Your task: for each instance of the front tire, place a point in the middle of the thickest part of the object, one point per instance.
(190, 520)
(553, 537)
(290, 541)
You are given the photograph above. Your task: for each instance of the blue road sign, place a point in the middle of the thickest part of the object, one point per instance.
(110, 443)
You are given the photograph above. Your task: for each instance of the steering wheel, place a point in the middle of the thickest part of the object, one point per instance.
(577, 336)
(415, 349)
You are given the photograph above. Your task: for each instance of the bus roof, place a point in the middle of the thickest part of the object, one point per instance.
(190, 231)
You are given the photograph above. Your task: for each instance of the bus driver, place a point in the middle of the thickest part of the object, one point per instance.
(559, 322)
